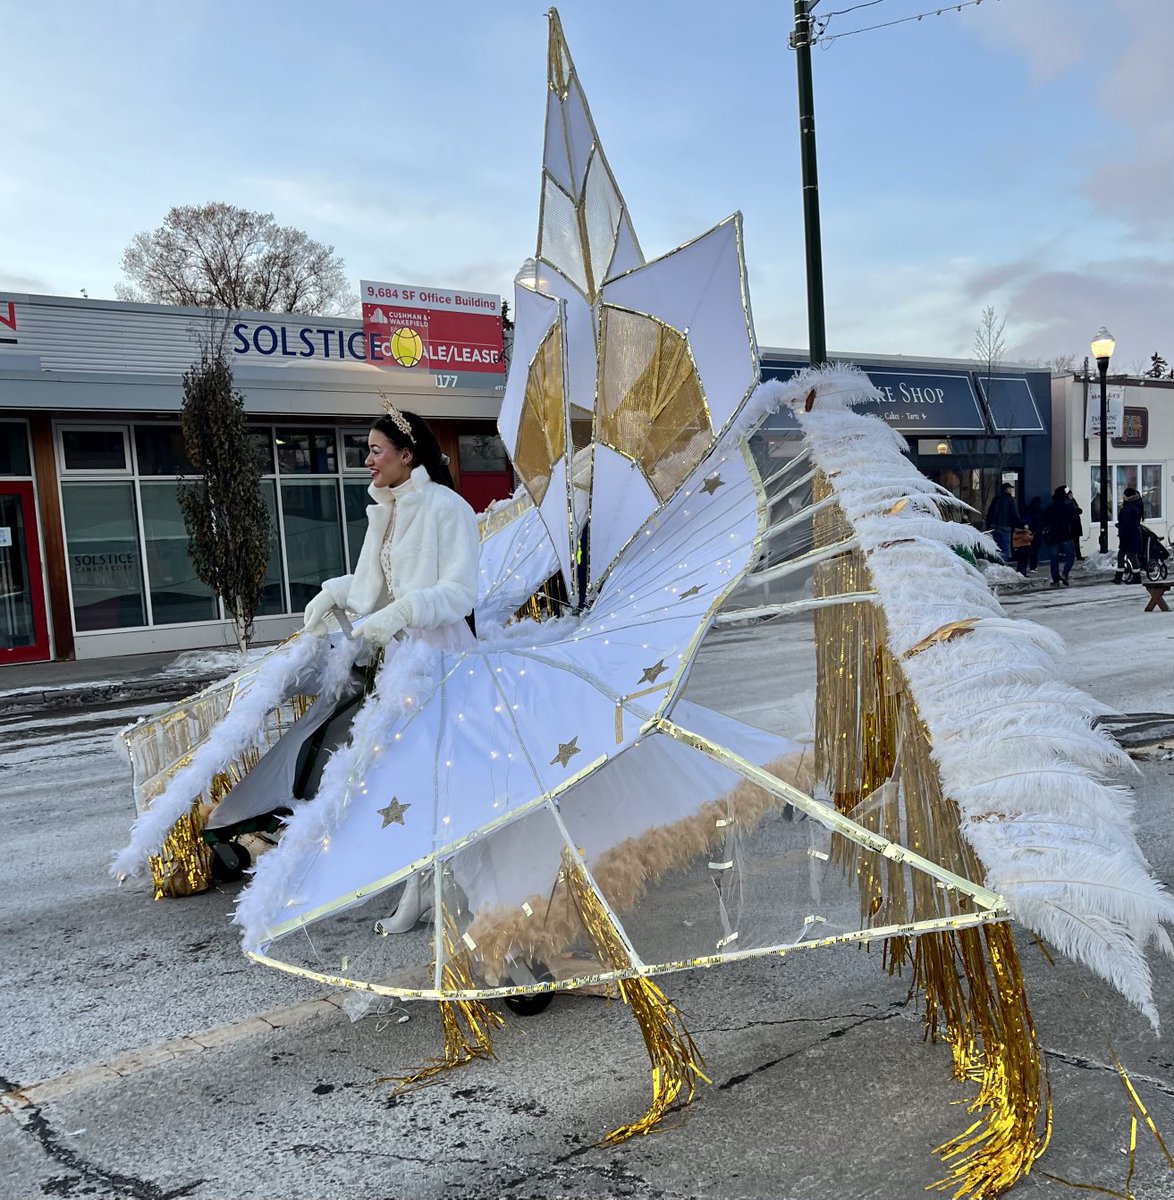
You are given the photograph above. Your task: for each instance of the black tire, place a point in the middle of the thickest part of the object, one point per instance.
(532, 1004)
(529, 1006)
(229, 862)
(1155, 570)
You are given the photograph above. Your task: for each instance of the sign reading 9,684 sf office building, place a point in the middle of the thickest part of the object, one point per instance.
(443, 332)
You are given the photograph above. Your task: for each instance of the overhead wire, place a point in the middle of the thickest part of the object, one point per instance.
(821, 23)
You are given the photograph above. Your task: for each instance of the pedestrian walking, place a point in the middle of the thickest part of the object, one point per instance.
(1077, 526)
(1034, 519)
(1059, 523)
(1002, 517)
(1129, 519)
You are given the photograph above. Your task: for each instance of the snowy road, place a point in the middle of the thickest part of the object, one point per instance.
(823, 1088)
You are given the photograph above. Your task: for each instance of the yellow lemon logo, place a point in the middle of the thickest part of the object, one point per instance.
(406, 347)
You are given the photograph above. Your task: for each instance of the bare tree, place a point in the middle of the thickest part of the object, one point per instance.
(224, 508)
(220, 256)
(989, 349)
(989, 346)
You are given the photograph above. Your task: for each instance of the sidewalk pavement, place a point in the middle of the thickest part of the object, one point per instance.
(94, 682)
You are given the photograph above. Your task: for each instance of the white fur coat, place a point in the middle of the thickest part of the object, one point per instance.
(434, 549)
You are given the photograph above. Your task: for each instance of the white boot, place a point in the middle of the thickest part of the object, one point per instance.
(415, 904)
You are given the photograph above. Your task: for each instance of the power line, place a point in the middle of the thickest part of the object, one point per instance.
(822, 35)
(840, 12)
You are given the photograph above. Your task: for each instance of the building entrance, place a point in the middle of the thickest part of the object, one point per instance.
(24, 632)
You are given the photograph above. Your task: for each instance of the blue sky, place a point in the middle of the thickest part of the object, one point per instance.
(1019, 153)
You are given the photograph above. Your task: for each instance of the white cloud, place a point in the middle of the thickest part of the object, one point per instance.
(1052, 35)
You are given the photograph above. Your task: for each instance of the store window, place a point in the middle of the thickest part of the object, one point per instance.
(273, 586)
(306, 452)
(128, 544)
(177, 594)
(313, 542)
(357, 500)
(481, 453)
(95, 448)
(161, 450)
(354, 449)
(261, 440)
(14, 449)
(102, 550)
(1145, 477)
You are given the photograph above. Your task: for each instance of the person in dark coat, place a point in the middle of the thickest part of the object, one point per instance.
(1129, 518)
(1034, 516)
(1077, 527)
(1059, 522)
(1002, 517)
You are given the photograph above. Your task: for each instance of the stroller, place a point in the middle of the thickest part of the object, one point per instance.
(1153, 559)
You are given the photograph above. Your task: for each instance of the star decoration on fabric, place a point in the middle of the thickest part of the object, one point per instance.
(393, 812)
(712, 484)
(651, 673)
(566, 751)
(693, 591)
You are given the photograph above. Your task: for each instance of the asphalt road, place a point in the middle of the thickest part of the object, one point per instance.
(157, 1062)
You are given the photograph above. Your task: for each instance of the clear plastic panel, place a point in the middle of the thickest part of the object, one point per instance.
(513, 917)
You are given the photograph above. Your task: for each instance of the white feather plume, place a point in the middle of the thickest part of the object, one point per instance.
(1014, 745)
(321, 667)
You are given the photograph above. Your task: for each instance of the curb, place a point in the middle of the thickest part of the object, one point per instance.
(82, 695)
(33, 1095)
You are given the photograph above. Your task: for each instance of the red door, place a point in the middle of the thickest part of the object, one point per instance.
(24, 632)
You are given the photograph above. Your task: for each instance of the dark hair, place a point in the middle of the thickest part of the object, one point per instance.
(1060, 493)
(423, 445)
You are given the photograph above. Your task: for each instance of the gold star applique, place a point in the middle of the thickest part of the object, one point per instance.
(693, 591)
(651, 673)
(566, 751)
(712, 484)
(393, 812)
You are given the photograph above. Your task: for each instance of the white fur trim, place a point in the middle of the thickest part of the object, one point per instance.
(1014, 744)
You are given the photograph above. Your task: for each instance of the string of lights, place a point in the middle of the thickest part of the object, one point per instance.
(821, 23)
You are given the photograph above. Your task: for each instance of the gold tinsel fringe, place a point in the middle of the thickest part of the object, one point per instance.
(468, 1024)
(874, 753)
(973, 987)
(183, 866)
(676, 1061)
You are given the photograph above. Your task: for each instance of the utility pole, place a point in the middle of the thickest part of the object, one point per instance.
(801, 43)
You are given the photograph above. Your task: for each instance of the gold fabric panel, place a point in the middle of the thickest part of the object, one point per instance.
(542, 433)
(874, 754)
(650, 405)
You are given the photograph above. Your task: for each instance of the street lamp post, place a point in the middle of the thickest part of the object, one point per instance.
(1102, 350)
(801, 44)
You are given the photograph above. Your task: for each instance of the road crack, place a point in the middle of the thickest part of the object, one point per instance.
(34, 1122)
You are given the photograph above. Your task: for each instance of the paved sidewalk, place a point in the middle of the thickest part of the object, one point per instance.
(89, 682)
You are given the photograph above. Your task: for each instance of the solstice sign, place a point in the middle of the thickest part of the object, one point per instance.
(429, 329)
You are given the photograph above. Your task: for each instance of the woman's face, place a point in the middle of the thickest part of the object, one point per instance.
(389, 465)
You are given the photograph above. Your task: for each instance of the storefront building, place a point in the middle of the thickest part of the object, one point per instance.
(93, 548)
(968, 427)
(1140, 437)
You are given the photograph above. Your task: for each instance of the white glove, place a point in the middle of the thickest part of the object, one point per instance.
(381, 626)
(316, 612)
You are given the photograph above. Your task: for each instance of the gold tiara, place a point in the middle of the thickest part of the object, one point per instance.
(396, 417)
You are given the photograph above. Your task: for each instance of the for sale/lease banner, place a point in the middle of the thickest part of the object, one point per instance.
(430, 329)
